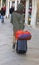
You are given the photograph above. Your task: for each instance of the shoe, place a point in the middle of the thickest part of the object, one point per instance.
(13, 46)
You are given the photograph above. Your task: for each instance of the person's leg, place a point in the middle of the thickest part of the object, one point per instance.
(2, 19)
(14, 41)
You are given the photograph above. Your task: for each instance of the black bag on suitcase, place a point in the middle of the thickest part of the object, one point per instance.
(21, 46)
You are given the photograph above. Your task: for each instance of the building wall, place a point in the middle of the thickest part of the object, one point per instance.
(37, 9)
(34, 12)
(0, 3)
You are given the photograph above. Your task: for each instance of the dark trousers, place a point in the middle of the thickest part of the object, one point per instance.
(2, 18)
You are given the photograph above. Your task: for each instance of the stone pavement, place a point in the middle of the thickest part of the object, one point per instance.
(8, 56)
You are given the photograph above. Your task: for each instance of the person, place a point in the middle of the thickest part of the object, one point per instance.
(2, 15)
(4, 9)
(18, 21)
(11, 10)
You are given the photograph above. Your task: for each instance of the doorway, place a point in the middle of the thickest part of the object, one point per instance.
(29, 12)
(24, 4)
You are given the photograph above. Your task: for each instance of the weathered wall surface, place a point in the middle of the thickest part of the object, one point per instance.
(37, 9)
